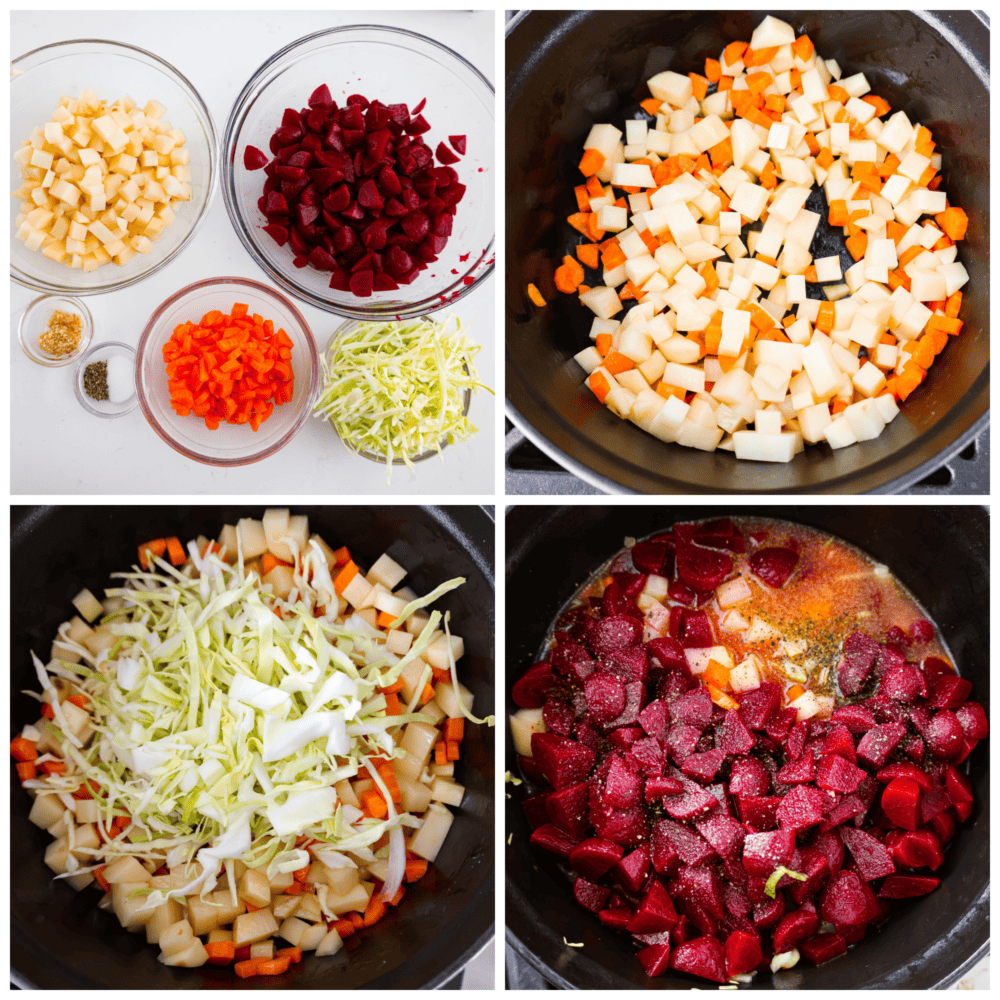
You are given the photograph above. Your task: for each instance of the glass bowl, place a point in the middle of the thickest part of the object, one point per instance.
(230, 444)
(112, 69)
(35, 321)
(343, 329)
(393, 66)
(106, 408)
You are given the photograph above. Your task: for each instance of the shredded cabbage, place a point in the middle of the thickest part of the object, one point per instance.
(221, 726)
(398, 389)
(771, 886)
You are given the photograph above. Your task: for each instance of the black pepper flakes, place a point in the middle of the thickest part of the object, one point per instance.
(95, 380)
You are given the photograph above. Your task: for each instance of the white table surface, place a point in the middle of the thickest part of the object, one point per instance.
(57, 448)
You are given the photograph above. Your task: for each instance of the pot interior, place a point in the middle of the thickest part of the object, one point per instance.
(568, 70)
(942, 556)
(59, 939)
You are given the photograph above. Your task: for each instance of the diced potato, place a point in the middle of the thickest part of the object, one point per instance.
(330, 944)
(263, 949)
(88, 605)
(167, 913)
(202, 915)
(251, 927)
(126, 869)
(418, 741)
(447, 791)
(253, 888)
(128, 908)
(450, 699)
(309, 909)
(285, 906)
(337, 903)
(428, 840)
(193, 956)
(275, 525)
(523, 723)
(252, 538)
(46, 810)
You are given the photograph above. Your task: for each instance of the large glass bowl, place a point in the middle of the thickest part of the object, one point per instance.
(393, 66)
(230, 444)
(111, 69)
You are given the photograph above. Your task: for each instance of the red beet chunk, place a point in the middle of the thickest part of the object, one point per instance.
(648, 753)
(568, 809)
(901, 803)
(759, 812)
(743, 952)
(972, 718)
(725, 835)
(660, 788)
(905, 683)
(655, 959)
(616, 632)
(635, 697)
(595, 857)
(682, 742)
(625, 737)
(628, 828)
(870, 855)
(758, 706)
(720, 534)
(628, 664)
(691, 803)
(922, 630)
(774, 565)
(703, 767)
(846, 901)
(650, 556)
(917, 849)
(655, 913)
(253, 158)
(688, 844)
(944, 735)
(444, 154)
(907, 886)
(605, 696)
(958, 785)
(616, 917)
(277, 233)
(530, 689)
(692, 709)
(702, 569)
(667, 653)
(589, 895)
(794, 928)
(631, 870)
(623, 785)
(703, 956)
(823, 947)
(563, 761)
(534, 810)
(748, 776)
(801, 808)
(733, 737)
(903, 769)
(457, 143)
(799, 771)
(554, 840)
(838, 775)
(763, 852)
(655, 719)
(879, 742)
(857, 718)
(860, 654)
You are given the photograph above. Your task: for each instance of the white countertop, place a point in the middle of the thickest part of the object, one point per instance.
(57, 448)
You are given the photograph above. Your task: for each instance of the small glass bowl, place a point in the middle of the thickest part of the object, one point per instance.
(111, 69)
(370, 455)
(106, 408)
(391, 65)
(35, 321)
(230, 444)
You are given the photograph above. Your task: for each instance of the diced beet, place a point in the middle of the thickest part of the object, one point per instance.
(616, 917)
(563, 761)
(253, 158)
(857, 718)
(699, 891)
(567, 808)
(860, 654)
(535, 811)
(823, 947)
(758, 705)
(905, 683)
(759, 812)
(655, 913)
(703, 956)
(958, 786)
(870, 855)
(650, 556)
(457, 143)
(635, 699)
(888, 658)
(655, 959)
(341, 280)
(743, 953)
(814, 865)
(901, 803)
(801, 808)
(590, 895)
(845, 900)
(799, 771)
(277, 233)
(836, 740)
(838, 775)
(558, 716)
(628, 828)
(605, 696)
(682, 741)
(361, 284)
(703, 767)
(922, 630)
(688, 844)
(917, 849)
(554, 840)
(320, 259)
(595, 857)
(649, 754)
(666, 653)
(903, 769)
(655, 719)
(732, 736)
(530, 688)
(691, 803)
(972, 718)
(616, 632)
(631, 870)
(628, 664)
(907, 886)
(444, 154)
(748, 776)
(720, 534)
(879, 742)
(725, 835)
(625, 736)
(702, 569)
(774, 565)
(779, 724)
(794, 928)
(763, 852)
(933, 803)
(623, 784)
(660, 788)
(944, 735)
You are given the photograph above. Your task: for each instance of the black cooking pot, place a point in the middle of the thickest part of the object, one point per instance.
(60, 940)
(942, 555)
(567, 70)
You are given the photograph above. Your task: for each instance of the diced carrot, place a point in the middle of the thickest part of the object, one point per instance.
(666, 391)
(733, 52)
(415, 869)
(716, 674)
(758, 82)
(594, 188)
(796, 76)
(713, 70)
(294, 955)
(628, 291)
(563, 279)
(23, 750)
(946, 324)
(157, 546)
(810, 274)
(899, 278)
(613, 257)
(589, 254)
(837, 93)
(768, 177)
(441, 753)
(803, 47)
(272, 966)
(582, 197)
(603, 342)
(651, 105)
(175, 551)
(47, 712)
(246, 969)
(344, 577)
(954, 304)
(710, 276)
(301, 874)
(924, 354)
(580, 221)
(954, 222)
(251, 908)
(268, 561)
(375, 911)
(593, 230)
(721, 699)
(895, 231)
(825, 317)
(80, 700)
(384, 619)
(342, 556)
(397, 897)
(452, 750)
(722, 153)
(599, 385)
(454, 729)
(392, 706)
(757, 57)
(617, 363)
(909, 253)
(536, 296)
(344, 927)
(725, 83)
(373, 803)
(880, 104)
(699, 85)
(813, 145)
(26, 770)
(220, 952)
(427, 694)
(795, 691)
(358, 920)
(591, 162)
(574, 268)
(53, 766)
(856, 245)
(713, 338)
(776, 102)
